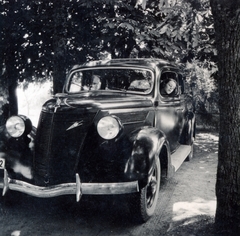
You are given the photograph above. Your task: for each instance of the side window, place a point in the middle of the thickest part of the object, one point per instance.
(169, 86)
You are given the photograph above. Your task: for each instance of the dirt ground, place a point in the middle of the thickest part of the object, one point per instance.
(187, 206)
(194, 202)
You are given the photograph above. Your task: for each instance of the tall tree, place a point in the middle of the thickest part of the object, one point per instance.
(59, 44)
(226, 15)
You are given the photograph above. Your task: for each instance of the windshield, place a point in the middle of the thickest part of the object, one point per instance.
(132, 80)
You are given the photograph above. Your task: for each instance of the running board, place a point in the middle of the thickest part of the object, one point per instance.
(179, 156)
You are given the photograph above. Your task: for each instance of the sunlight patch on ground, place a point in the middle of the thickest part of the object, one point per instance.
(184, 210)
(204, 139)
(16, 233)
(208, 137)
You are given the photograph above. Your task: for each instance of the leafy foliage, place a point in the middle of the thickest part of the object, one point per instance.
(43, 39)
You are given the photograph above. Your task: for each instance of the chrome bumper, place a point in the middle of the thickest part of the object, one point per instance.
(77, 188)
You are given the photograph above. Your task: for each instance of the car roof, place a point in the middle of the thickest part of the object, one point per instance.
(142, 62)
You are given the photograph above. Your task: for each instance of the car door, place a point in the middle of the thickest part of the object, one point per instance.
(170, 110)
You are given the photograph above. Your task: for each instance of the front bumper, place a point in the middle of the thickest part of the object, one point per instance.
(77, 188)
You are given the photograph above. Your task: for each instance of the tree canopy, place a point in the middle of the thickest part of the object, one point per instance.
(43, 39)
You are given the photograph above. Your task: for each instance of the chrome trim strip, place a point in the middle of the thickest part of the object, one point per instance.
(77, 188)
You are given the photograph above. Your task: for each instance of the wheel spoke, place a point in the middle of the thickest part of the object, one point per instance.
(151, 190)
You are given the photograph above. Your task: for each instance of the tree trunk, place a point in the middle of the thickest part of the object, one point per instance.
(13, 100)
(226, 15)
(60, 46)
(11, 76)
(4, 99)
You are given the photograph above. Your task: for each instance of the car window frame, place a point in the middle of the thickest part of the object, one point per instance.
(68, 81)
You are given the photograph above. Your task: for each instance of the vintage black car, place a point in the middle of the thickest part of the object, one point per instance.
(119, 127)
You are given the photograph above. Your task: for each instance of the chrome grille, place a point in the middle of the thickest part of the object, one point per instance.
(57, 146)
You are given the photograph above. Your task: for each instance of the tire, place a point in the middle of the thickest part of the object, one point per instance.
(143, 203)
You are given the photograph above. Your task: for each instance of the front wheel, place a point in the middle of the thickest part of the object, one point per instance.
(143, 203)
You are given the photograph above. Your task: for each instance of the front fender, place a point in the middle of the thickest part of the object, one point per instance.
(146, 145)
(18, 153)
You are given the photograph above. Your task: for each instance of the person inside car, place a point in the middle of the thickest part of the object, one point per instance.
(168, 87)
(76, 84)
(142, 85)
(96, 82)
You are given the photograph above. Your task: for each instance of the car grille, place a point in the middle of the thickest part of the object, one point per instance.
(57, 146)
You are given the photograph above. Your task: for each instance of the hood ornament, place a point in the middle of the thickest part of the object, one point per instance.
(75, 125)
(61, 100)
(57, 105)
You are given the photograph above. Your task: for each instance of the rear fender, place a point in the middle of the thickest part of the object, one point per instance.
(146, 145)
(188, 133)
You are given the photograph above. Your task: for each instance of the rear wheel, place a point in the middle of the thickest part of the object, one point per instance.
(190, 141)
(143, 203)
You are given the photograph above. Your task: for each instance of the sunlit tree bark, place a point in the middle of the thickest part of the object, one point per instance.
(226, 15)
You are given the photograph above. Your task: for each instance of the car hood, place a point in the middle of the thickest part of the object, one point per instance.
(97, 100)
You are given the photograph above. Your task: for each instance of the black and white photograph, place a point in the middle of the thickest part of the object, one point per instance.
(119, 117)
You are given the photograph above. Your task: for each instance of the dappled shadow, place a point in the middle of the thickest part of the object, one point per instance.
(207, 142)
(199, 225)
(63, 216)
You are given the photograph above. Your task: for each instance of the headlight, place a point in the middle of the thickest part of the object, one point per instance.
(18, 125)
(108, 127)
